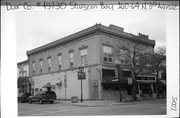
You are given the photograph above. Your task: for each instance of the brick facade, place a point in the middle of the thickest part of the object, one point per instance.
(93, 39)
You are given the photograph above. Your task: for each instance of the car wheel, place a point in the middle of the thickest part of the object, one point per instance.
(20, 101)
(41, 102)
(51, 102)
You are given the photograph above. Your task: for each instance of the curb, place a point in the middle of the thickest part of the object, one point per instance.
(101, 104)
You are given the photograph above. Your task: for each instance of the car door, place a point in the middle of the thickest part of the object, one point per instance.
(35, 98)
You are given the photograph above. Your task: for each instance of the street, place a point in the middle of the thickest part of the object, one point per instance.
(148, 107)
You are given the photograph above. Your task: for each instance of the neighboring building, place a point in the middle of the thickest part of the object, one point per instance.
(23, 77)
(162, 79)
(58, 62)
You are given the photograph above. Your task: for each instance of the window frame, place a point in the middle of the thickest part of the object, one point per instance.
(33, 66)
(41, 65)
(71, 58)
(107, 55)
(83, 57)
(49, 63)
(59, 60)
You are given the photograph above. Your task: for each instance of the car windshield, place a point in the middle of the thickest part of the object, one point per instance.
(39, 93)
(26, 94)
(20, 94)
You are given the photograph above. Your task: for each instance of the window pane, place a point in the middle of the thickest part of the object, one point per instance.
(33, 66)
(49, 62)
(82, 60)
(105, 59)
(71, 63)
(110, 59)
(71, 55)
(60, 59)
(85, 59)
(83, 52)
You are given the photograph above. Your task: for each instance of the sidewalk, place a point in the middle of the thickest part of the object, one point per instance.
(102, 103)
(97, 103)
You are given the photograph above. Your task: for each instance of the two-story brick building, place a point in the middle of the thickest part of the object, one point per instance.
(24, 84)
(91, 48)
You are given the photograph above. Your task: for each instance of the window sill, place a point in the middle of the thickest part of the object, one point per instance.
(107, 62)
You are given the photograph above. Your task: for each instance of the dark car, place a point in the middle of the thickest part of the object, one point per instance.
(43, 96)
(24, 97)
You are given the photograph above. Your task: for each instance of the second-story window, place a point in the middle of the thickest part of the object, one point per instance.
(83, 56)
(25, 73)
(107, 50)
(41, 64)
(33, 65)
(123, 55)
(49, 63)
(60, 60)
(71, 54)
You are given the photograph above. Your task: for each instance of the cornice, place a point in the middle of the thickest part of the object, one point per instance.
(88, 31)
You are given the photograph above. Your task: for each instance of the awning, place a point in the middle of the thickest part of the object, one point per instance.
(114, 80)
(48, 85)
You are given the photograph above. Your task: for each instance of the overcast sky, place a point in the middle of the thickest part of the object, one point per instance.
(37, 28)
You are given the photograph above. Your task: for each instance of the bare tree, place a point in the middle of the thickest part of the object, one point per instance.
(157, 62)
(135, 55)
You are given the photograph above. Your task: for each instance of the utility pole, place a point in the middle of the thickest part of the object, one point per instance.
(118, 65)
(81, 76)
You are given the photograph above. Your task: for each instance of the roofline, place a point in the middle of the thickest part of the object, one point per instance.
(87, 31)
(23, 62)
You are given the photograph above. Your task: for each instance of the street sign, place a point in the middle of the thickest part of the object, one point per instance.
(129, 80)
(81, 75)
(115, 80)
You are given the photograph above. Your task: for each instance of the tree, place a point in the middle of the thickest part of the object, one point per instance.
(135, 57)
(157, 61)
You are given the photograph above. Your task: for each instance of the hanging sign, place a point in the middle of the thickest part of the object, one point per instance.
(81, 75)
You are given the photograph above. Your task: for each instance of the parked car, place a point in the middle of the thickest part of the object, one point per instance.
(24, 97)
(43, 96)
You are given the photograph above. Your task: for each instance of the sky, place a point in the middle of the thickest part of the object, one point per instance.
(36, 28)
